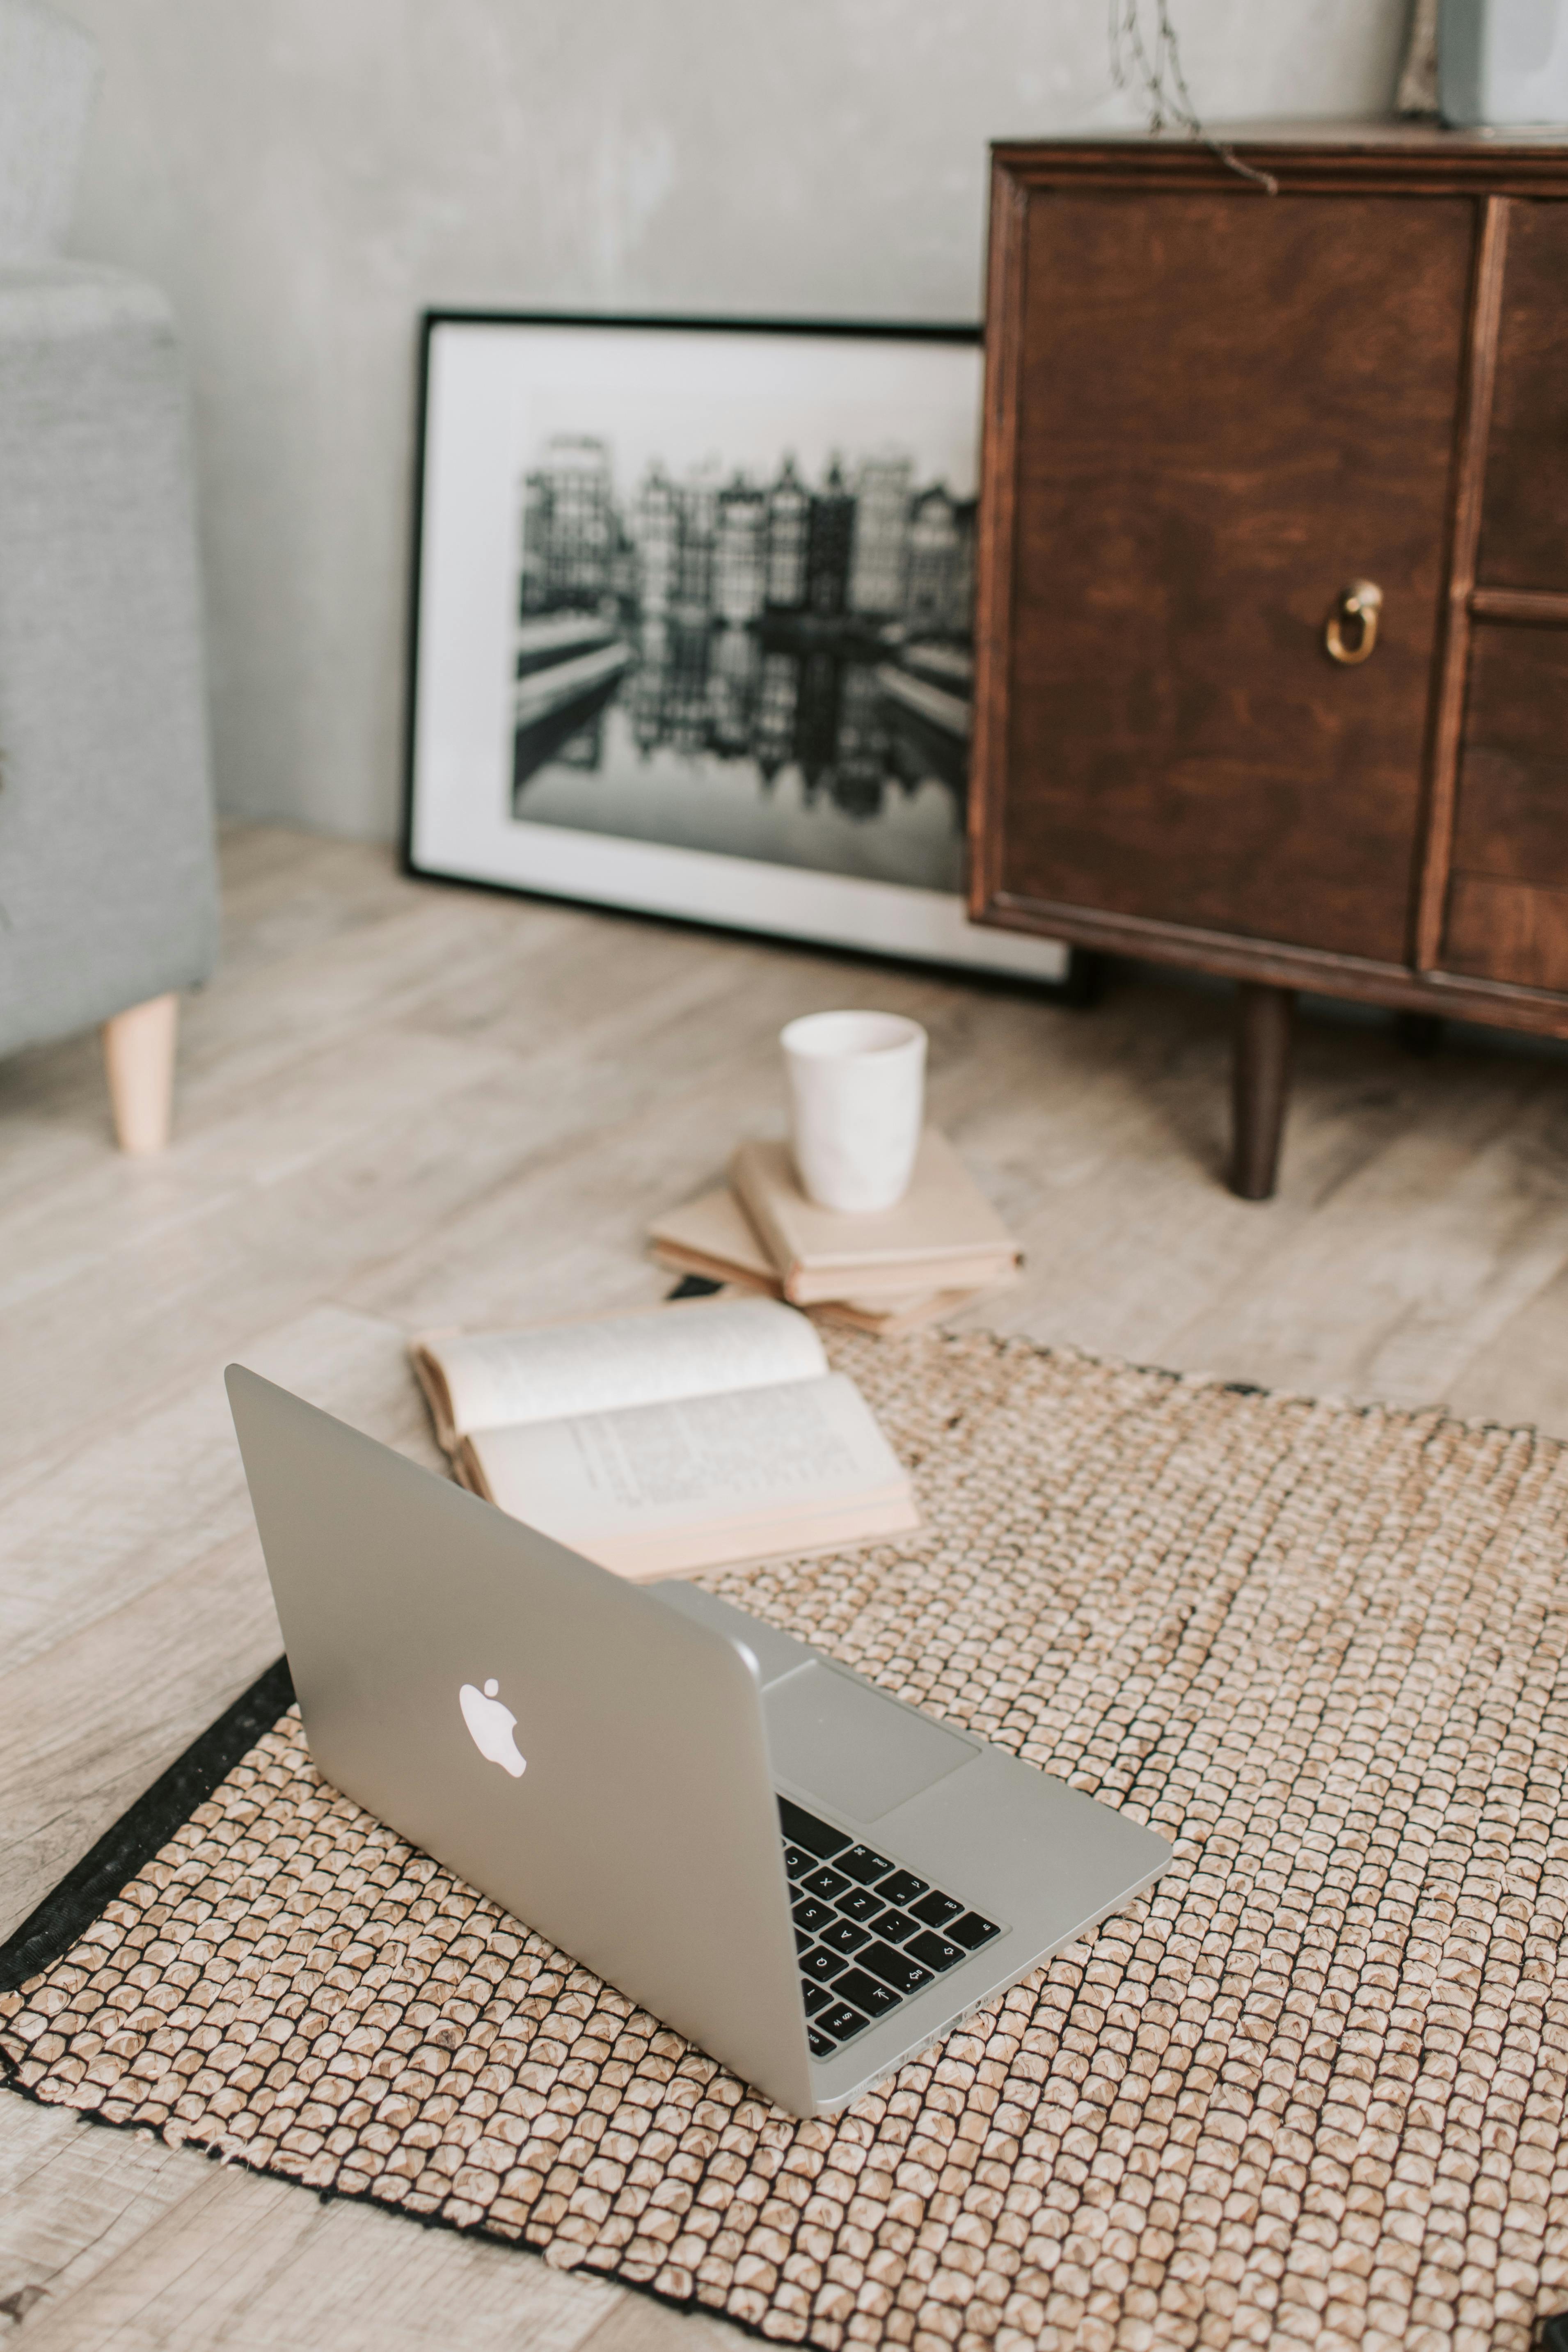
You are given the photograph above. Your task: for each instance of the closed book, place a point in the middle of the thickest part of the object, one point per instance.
(713, 1237)
(943, 1236)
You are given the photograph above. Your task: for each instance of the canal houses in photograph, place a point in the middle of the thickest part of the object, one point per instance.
(820, 626)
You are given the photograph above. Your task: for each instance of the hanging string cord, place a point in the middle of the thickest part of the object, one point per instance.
(1159, 80)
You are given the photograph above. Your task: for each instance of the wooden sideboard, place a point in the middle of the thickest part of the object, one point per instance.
(1272, 623)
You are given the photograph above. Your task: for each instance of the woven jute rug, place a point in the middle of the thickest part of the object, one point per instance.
(1310, 2088)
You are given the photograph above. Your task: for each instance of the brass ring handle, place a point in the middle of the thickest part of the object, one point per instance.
(1361, 603)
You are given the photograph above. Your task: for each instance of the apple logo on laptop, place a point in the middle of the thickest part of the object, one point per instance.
(491, 1727)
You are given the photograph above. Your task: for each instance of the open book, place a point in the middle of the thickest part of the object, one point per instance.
(686, 1436)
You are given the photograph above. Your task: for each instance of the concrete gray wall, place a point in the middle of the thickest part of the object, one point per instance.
(304, 175)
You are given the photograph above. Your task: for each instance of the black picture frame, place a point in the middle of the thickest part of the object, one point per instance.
(689, 634)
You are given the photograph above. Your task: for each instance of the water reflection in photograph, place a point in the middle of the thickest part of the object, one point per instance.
(778, 670)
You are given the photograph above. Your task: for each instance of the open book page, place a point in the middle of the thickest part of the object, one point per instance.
(494, 1379)
(759, 1469)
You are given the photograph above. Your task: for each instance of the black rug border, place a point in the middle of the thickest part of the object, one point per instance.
(690, 2306)
(121, 1855)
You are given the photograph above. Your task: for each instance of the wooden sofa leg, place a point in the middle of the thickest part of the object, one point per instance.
(1261, 1081)
(139, 1057)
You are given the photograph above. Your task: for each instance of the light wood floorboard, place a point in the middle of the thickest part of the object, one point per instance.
(403, 1106)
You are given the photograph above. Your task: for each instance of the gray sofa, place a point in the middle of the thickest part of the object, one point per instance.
(108, 885)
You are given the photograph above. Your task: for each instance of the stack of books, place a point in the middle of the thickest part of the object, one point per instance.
(942, 1245)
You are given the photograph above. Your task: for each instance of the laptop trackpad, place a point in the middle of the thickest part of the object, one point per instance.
(861, 1753)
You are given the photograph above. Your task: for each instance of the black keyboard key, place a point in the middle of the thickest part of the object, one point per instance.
(841, 2022)
(822, 1966)
(863, 1865)
(866, 1993)
(811, 1916)
(844, 1935)
(825, 1882)
(895, 1926)
(804, 1939)
(803, 1829)
(895, 1968)
(933, 1951)
(797, 1862)
(859, 1903)
(901, 1889)
(816, 1997)
(935, 1909)
(972, 1931)
(820, 2046)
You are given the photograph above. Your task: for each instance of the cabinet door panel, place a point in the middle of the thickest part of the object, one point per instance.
(1524, 533)
(1508, 900)
(1230, 408)
(1512, 931)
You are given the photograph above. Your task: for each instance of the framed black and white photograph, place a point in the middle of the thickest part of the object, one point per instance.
(693, 624)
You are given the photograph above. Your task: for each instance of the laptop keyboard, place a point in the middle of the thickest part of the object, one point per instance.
(870, 1933)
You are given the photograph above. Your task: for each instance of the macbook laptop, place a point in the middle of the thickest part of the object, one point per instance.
(809, 1880)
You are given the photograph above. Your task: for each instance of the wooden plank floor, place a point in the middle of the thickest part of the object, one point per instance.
(403, 1105)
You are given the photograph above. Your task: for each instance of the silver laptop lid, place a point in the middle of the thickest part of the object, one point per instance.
(640, 1833)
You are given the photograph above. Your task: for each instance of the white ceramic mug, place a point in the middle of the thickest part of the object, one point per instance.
(857, 1082)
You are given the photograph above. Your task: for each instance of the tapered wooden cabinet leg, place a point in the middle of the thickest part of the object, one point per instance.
(139, 1057)
(1261, 1087)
